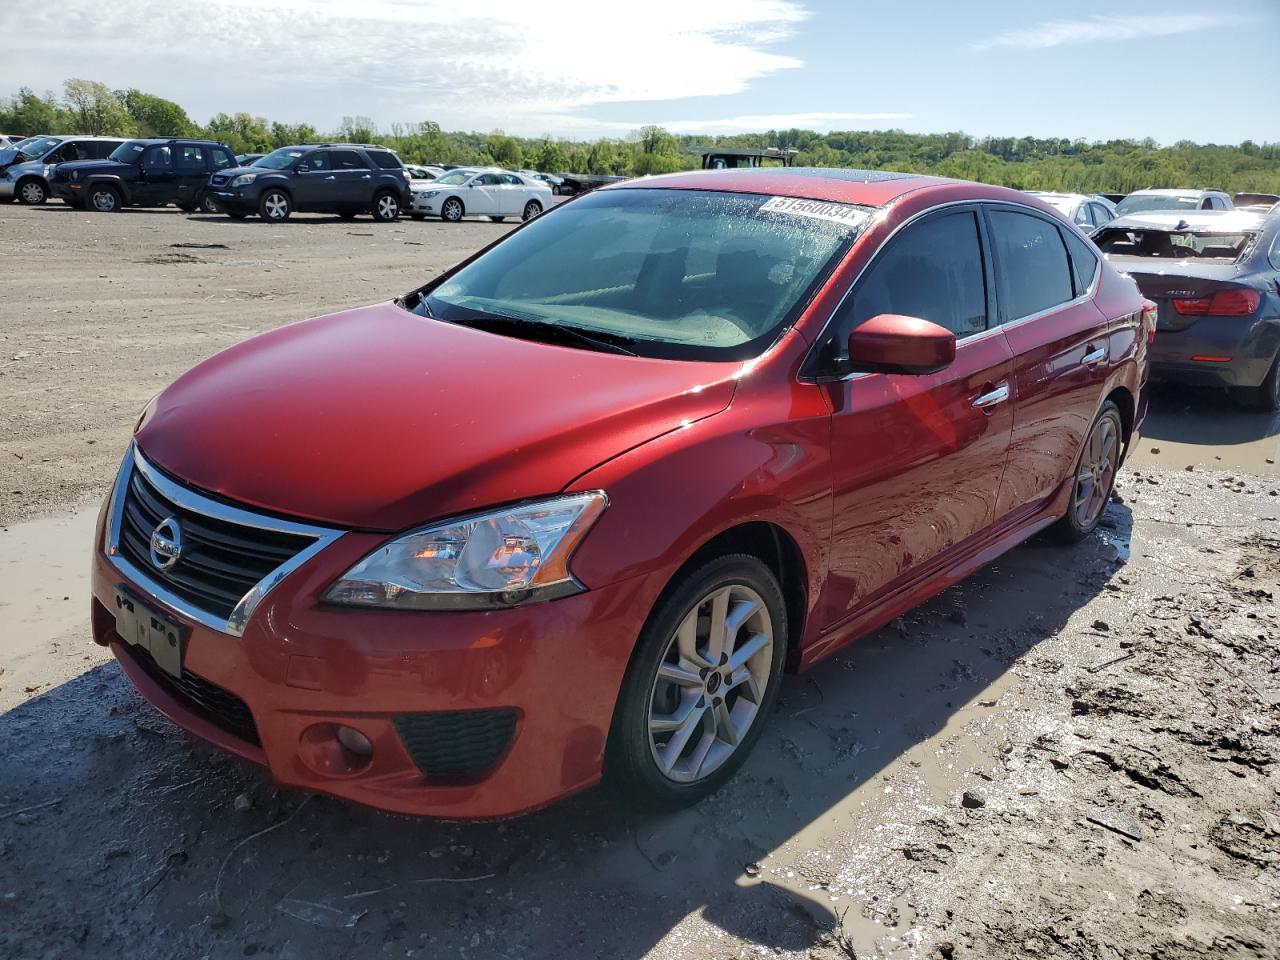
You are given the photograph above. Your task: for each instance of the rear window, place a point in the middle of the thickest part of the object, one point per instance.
(1084, 260)
(1174, 244)
(346, 160)
(384, 159)
(1138, 203)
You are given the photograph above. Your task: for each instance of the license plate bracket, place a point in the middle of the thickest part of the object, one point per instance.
(143, 626)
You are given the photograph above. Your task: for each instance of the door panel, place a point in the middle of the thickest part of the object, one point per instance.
(483, 197)
(156, 177)
(352, 185)
(917, 467)
(191, 171)
(1060, 353)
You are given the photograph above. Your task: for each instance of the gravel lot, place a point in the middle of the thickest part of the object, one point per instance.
(1074, 753)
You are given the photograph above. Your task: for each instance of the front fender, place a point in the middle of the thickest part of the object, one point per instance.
(111, 180)
(670, 496)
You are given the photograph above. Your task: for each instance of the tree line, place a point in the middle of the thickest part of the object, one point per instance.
(1026, 163)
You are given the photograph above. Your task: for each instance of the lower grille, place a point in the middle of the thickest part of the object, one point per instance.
(458, 745)
(220, 707)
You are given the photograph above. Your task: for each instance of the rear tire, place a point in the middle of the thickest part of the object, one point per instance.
(275, 206)
(32, 192)
(386, 207)
(1264, 397)
(687, 717)
(531, 210)
(1094, 477)
(105, 199)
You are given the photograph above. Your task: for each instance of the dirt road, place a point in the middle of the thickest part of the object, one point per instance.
(1074, 753)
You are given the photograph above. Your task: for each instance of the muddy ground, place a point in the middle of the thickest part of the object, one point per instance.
(1073, 753)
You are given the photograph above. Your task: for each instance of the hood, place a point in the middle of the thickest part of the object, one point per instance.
(379, 419)
(64, 170)
(236, 171)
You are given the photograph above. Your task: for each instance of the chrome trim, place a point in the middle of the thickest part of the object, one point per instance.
(1096, 356)
(190, 500)
(999, 395)
(817, 342)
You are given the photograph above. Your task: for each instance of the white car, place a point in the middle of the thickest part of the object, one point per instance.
(1087, 213)
(488, 192)
(423, 173)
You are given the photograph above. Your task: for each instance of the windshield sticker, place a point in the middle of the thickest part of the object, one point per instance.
(850, 216)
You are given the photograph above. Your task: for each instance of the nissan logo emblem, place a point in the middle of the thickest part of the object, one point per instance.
(166, 543)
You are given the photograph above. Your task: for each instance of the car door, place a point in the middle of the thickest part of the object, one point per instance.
(483, 195)
(155, 176)
(313, 181)
(514, 194)
(190, 172)
(1059, 342)
(351, 180)
(917, 460)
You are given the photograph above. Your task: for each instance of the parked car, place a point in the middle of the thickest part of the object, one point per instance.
(550, 179)
(423, 172)
(27, 177)
(575, 504)
(343, 178)
(1264, 200)
(1214, 276)
(572, 184)
(487, 192)
(1086, 212)
(144, 173)
(7, 141)
(248, 159)
(1142, 201)
(1114, 198)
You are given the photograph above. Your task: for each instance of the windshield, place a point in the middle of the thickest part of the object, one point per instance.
(281, 159)
(128, 152)
(1174, 244)
(455, 178)
(684, 274)
(1138, 202)
(37, 146)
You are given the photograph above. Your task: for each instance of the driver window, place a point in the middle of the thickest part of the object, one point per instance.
(156, 158)
(934, 271)
(315, 161)
(487, 180)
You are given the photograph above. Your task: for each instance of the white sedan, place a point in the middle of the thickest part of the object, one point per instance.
(490, 192)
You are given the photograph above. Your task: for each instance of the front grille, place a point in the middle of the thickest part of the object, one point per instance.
(220, 561)
(458, 745)
(219, 179)
(220, 707)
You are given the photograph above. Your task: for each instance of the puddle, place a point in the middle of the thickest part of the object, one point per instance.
(44, 603)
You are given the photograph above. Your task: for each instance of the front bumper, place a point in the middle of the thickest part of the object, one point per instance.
(421, 204)
(1249, 342)
(303, 667)
(235, 200)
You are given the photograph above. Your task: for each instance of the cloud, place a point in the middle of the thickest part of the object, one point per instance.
(821, 122)
(506, 63)
(1103, 28)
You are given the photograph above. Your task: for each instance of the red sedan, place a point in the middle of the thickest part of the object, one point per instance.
(574, 506)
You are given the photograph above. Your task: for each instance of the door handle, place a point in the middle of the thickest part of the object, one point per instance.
(331, 178)
(992, 397)
(366, 177)
(1094, 356)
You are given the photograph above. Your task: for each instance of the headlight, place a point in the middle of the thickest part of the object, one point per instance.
(485, 561)
(244, 179)
(75, 174)
(431, 193)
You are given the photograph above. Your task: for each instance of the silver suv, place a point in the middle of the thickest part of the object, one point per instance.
(1142, 201)
(24, 175)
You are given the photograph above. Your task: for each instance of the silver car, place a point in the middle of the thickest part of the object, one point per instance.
(25, 169)
(1089, 213)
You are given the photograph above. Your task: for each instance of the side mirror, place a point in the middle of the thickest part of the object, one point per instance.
(889, 343)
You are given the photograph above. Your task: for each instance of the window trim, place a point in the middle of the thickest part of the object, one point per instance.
(811, 367)
(995, 205)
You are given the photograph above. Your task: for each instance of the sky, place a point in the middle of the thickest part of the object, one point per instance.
(1164, 69)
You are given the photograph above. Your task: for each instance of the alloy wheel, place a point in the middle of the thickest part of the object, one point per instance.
(1097, 472)
(387, 207)
(452, 211)
(276, 206)
(532, 209)
(711, 683)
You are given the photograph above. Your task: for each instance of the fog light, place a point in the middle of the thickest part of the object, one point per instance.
(355, 741)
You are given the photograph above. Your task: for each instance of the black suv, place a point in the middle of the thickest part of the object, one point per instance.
(144, 173)
(342, 178)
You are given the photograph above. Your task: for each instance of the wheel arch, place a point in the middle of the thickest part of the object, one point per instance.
(103, 180)
(1127, 406)
(28, 177)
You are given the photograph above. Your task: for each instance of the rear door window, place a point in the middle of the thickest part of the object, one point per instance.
(347, 160)
(1032, 269)
(385, 160)
(933, 271)
(189, 158)
(157, 159)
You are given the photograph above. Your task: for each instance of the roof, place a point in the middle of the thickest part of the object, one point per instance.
(833, 184)
(772, 153)
(1172, 192)
(1226, 221)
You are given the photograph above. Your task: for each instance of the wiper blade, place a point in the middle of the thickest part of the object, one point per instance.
(610, 343)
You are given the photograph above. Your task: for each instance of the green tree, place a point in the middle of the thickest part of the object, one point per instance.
(550, 157)
(27, 113)
(95, 109)
(358, 130)
(155, 116)
(241, 132)
(506, 151)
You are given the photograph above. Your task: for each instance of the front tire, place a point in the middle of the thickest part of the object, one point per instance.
(452, 211)
(386, 207)
(105, 199)
(32, 192)
(1094, 477)
(275, 206)
(208, 205)
(701, 683)
(531, 210)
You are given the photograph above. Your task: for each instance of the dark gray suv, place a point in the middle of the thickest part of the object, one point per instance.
(342, 178)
